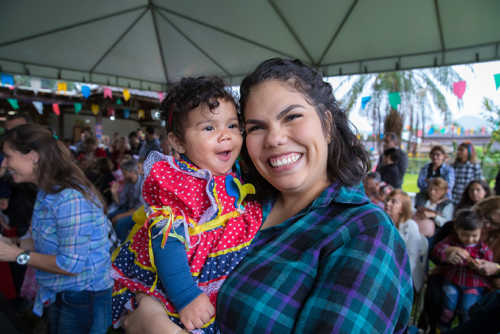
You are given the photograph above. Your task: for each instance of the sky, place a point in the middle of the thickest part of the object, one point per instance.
(479, 83)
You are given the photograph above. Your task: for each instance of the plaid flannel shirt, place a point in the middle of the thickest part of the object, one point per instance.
(462, 275)
(337, 266)
(76, 231)
(464, 173)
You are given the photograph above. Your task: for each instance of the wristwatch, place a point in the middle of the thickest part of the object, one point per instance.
(23, 258)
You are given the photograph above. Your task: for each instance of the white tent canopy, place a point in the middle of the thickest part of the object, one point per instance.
(150, 43)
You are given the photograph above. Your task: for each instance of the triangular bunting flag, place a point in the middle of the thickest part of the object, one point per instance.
(394, 100)
(108, 94)
(7, 79)
(94, 108)
(85, 91)
(78, 107)
(38, 106)
(459, 88)
(364, 101)
(141, 114)
(111, 111)
(126, 95)
(497, 80)
(62, 86)
(13, 103)
(126, 113)
(55, 108)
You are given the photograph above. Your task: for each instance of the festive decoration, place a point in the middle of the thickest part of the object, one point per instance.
(161, 96)
(141, 114)
(55, 109)
(394, 100)
(62, 86)
(94, 108)
(38, 106)
(497, 80)
(7, 79)
(459, 130)
(119, 101)
(111, 111)
(78, 107)
(419, 133)
(108, 94)
(13, 103)
(126, 95)
(364, 101)
(85, 91)
(443, 130)
(459, 88)
(126, 113)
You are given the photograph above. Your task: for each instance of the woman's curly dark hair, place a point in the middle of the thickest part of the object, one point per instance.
(347, 158)
(187, 95)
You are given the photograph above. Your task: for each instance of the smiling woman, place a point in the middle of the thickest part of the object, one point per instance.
(326, 259)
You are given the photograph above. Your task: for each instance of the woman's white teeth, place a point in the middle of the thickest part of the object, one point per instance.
(285, 160)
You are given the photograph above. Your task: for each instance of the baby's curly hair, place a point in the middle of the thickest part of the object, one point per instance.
(187, 95)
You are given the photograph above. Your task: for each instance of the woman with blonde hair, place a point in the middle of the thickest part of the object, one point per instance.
(398, 207)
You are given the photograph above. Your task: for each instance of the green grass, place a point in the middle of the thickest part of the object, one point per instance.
(410, 183)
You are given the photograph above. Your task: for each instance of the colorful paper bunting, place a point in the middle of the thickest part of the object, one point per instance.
(394, 100)
(108, 94)
(431, 130)
(13, 103)
(55, 109)
(141, 114)
(459, 88)
(497, 80)
(78, 107)
(62, 86)
(85, 91)
(7, 79)
(364, 101)
(119, 101)
(126, 113)
(111, 111)
(443, 130)
(94, 108)
(419, 133)
(161, 96)
(126, 95)
(38, 106)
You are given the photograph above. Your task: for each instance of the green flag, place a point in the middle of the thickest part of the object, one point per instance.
(78, 107)
(497, 80)
(13, 103)
(394, 100)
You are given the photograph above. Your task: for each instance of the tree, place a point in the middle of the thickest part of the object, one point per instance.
(490, 159)
(420, 91)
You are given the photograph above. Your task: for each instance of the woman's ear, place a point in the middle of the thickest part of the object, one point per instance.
(175, 143)
(34, 156)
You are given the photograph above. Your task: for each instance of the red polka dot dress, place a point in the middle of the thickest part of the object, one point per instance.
(220, 225)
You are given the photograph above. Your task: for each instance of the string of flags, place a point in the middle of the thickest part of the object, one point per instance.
(62, 87)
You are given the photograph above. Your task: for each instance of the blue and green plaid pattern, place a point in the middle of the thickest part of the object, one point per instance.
(339, 266)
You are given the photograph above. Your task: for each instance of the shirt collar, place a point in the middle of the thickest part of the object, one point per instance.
(341, 194)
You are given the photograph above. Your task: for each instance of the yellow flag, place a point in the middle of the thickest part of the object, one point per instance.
(94, 108)
(140, 113)
(126, 95)
(62, 86)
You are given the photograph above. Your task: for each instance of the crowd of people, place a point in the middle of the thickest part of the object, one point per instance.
(248, 216)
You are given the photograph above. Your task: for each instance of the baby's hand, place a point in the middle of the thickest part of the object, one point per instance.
(197, 313)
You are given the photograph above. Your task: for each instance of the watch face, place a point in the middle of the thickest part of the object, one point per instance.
(23, 258)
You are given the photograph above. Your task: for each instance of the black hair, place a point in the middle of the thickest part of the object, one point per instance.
(374, 175)
(132, 134)
(347, 159)
(393, 154)
(150, 130)
(187, 95)
(465, 201)
(467, 220)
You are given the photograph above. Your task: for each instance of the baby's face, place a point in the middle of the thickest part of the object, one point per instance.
(4, 203)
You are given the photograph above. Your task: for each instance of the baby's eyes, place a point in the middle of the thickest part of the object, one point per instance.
(208, 128)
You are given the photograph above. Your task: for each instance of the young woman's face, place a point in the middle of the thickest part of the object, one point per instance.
(285, 139)
(394, 207)
(476, 192)
(462, 154)
(21, 166)
(437, 158)
(493, 223)
(212, 138)
(436, 193)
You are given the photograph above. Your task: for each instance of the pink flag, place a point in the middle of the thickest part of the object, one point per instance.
(107, 93)
(111, 111)
(161, 96)
(55, 108)
(459, 88)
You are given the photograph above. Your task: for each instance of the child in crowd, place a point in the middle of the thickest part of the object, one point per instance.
(389, 171)
(463, 286)
(475, 191)
(434, 209)
(398, 207)
(195, 205)
(371, 184)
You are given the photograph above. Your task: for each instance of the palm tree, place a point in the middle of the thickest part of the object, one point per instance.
(420, 91)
